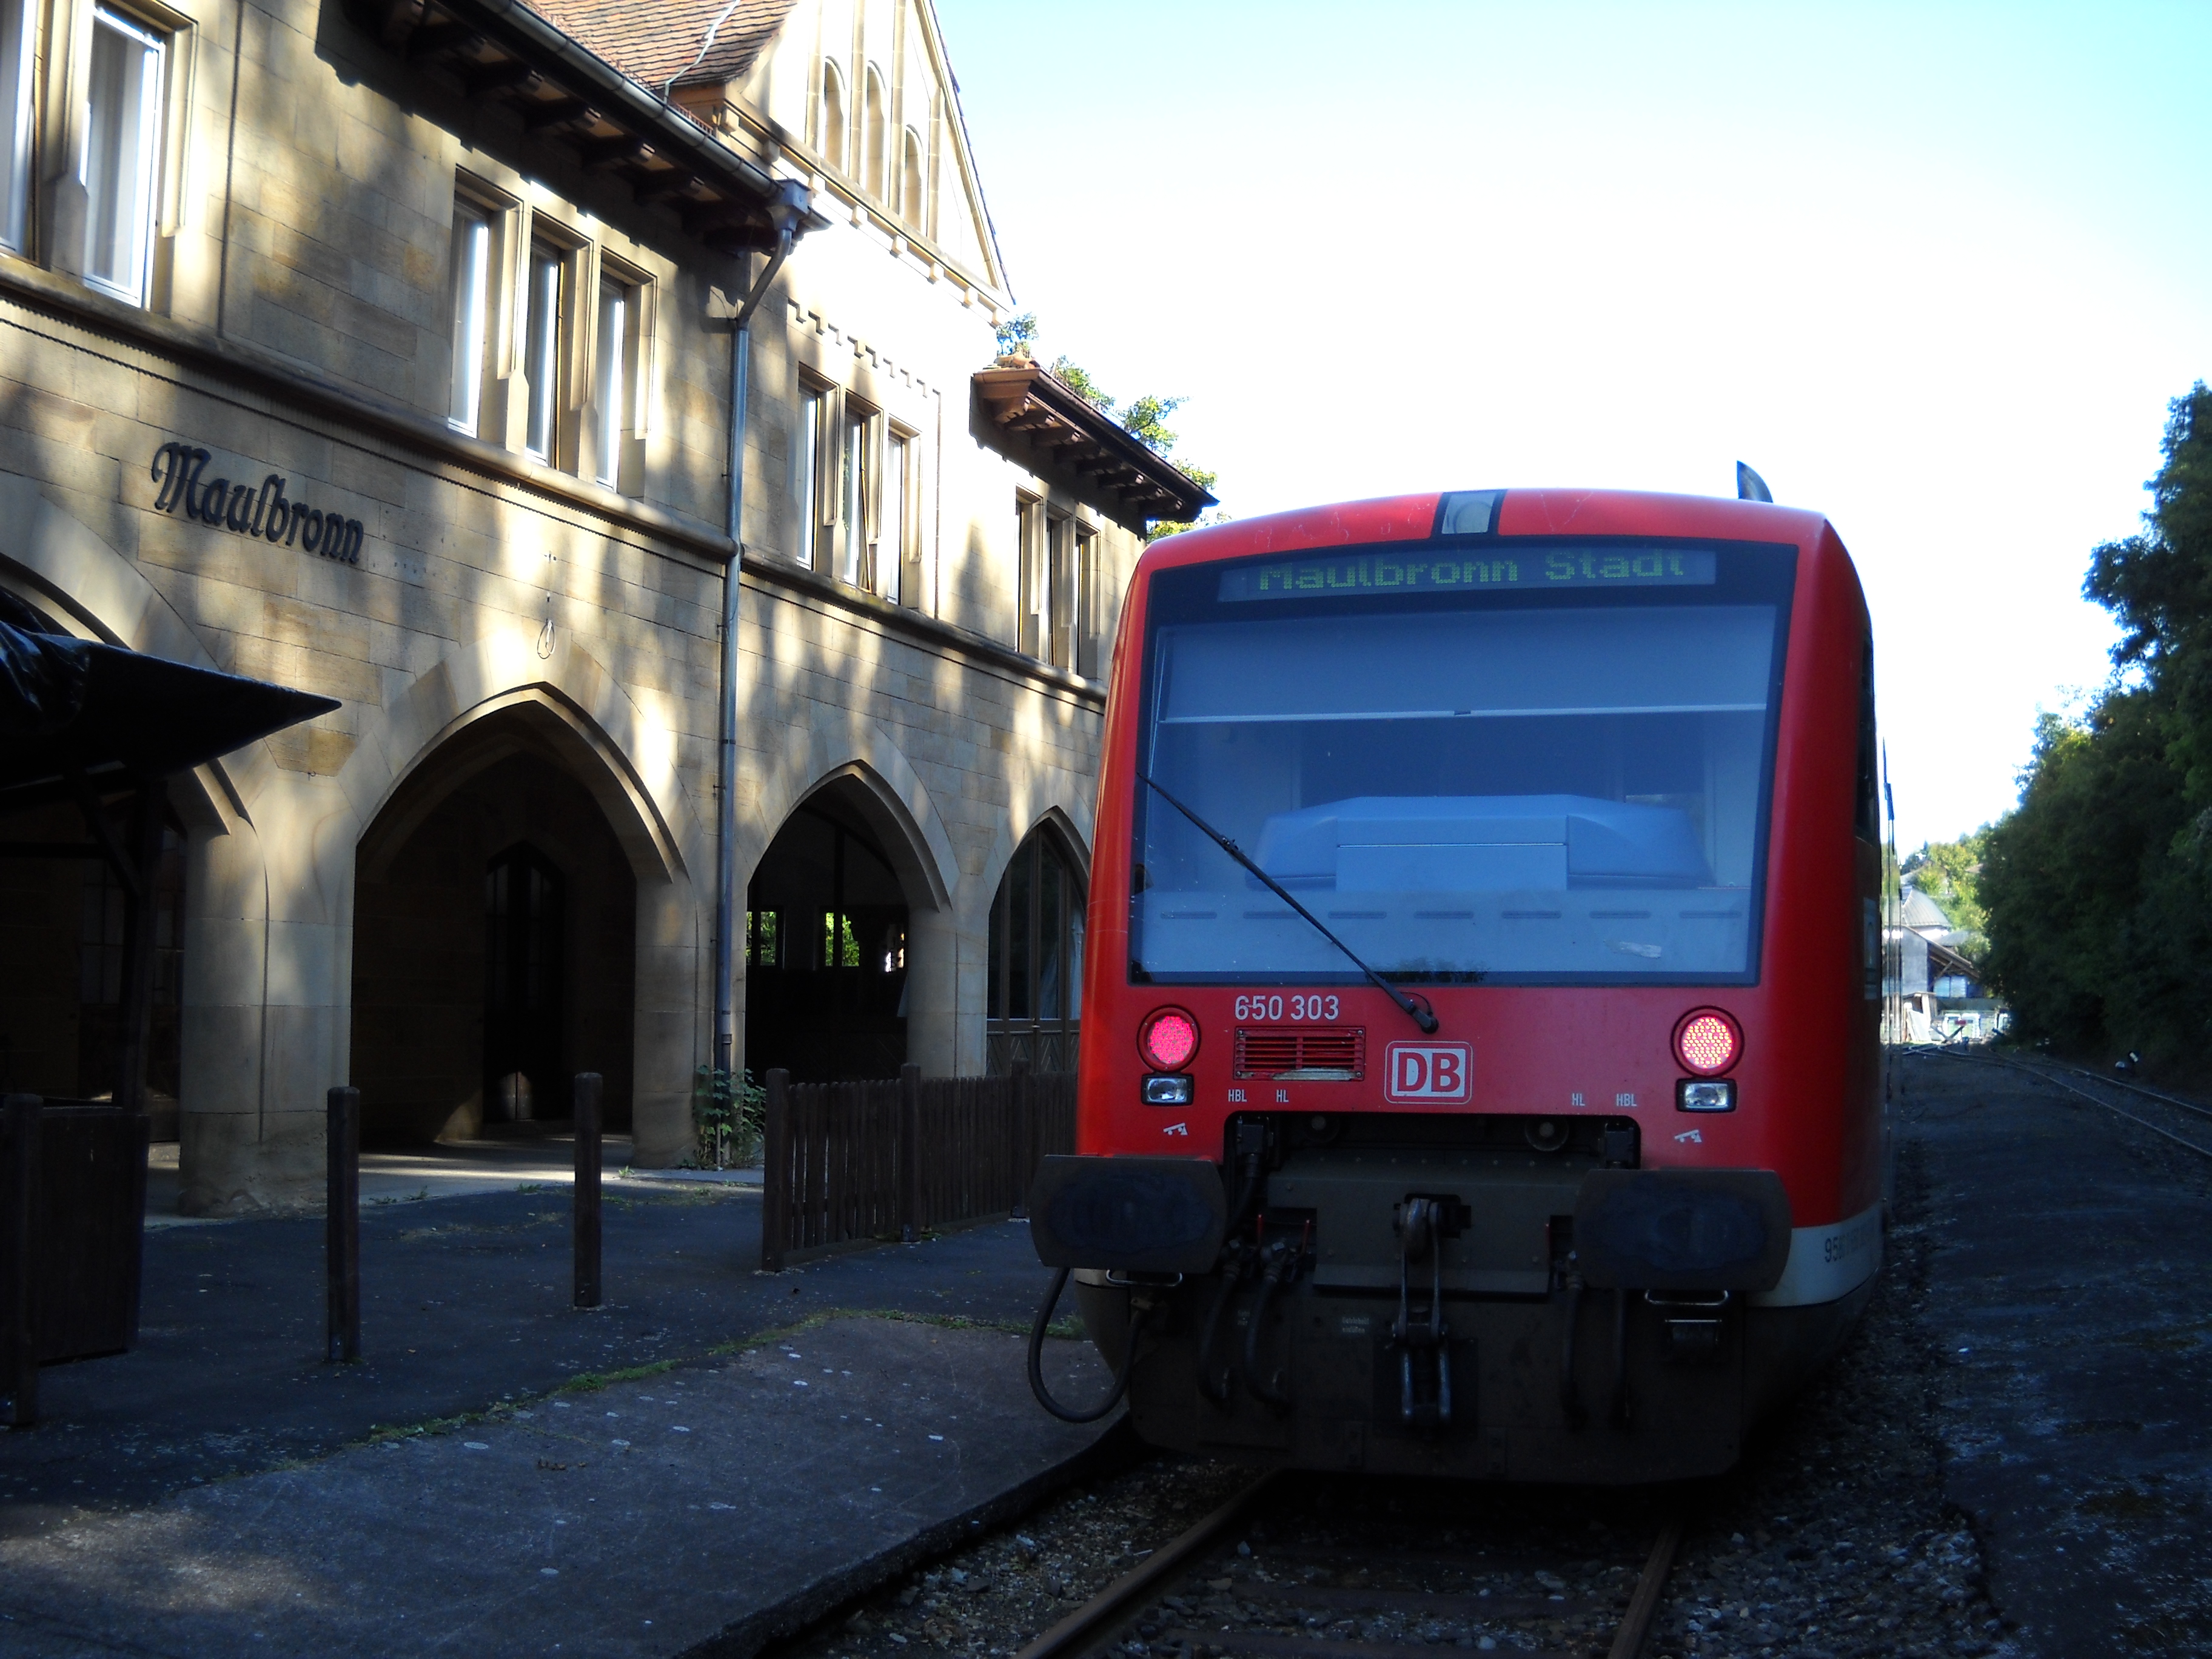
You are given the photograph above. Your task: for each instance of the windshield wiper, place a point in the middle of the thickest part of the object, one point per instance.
(1418, 1014)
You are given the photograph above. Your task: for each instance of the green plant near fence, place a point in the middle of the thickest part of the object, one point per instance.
(727, 1113)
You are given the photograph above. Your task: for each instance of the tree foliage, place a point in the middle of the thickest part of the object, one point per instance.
(2097, 887)
(1949, 872)
(1144, 418)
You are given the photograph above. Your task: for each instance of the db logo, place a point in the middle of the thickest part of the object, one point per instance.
(1430, 1073)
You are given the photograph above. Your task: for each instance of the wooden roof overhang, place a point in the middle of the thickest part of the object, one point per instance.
(502, 53)
(1059, 421)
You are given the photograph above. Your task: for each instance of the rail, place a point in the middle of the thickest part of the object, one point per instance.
(2037, 1071)
(1149, 1590)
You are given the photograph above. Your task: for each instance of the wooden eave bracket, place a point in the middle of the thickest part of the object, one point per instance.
(1053, 416)
(588, 105)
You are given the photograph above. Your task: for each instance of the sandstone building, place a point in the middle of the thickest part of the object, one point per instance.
(385, 351)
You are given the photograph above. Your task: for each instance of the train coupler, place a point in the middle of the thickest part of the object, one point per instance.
(1420, 1334)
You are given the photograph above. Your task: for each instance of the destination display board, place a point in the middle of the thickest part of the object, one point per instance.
(1451, 571)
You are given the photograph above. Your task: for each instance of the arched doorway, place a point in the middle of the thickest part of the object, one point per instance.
(494, 930)
(826, 940)
(526, 911)
(1037, 957)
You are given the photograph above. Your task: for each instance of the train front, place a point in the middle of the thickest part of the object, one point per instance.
(1478, 1067)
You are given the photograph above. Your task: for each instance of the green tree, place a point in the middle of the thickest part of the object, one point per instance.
(2098, 888)
(1144, 418)
(1078, 380)
(1017, 335)
(1949, 872)
(2064, 876)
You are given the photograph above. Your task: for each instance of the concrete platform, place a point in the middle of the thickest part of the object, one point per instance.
(2072, 1291)
(717, 1504)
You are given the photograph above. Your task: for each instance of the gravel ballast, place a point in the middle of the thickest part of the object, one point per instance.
(1832, 1539)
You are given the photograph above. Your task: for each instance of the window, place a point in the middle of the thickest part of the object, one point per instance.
(618, 377)
(871, 136)
(543, 350)
(763, 939)
(902, 557)
(472, 274)
(912, 205)
(831, 140)
(806, 474)
(122, 153)
(853, 564)
(1540, 784)
(1035, 594)
(1086, 602)
(1035, 970)
(16, 17)
(1059, 581)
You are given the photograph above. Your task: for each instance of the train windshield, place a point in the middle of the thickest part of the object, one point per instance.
(1506, 777)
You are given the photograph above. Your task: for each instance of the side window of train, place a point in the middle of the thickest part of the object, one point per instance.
(1869, 814)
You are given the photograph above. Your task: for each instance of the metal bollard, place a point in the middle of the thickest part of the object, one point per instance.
(588, 1085)
(341, 1223)
(19, 1342)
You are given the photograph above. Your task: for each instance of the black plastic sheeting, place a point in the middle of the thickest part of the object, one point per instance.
(70, 706)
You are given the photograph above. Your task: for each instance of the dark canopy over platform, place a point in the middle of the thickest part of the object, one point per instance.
(72, 709)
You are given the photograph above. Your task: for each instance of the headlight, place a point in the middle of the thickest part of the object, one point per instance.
(1167, 1090)
(1717, 1095)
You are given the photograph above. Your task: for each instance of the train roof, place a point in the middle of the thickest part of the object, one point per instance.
(1519, 512)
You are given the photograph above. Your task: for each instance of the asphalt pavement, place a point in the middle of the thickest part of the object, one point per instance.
(223, 1488)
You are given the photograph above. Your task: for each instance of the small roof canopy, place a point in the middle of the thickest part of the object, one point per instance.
(72, 709)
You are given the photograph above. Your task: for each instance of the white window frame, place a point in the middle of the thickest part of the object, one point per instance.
(855, 492)
(614, 375)
(131, 284)
(545, 299)
(475, 312)
(809, 416)
(18, 58)
(901, 583)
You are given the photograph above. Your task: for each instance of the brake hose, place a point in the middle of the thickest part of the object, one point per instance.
(1282, 1273)
(1233, 1280)
(1037, 1359)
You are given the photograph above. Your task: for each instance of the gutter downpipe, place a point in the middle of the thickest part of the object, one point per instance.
(792, 202)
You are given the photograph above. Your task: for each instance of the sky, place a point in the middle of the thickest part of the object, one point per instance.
(1934, 270)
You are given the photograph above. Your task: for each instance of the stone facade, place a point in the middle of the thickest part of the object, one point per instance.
(525, 633)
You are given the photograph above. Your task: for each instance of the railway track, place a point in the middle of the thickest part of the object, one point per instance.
(2182, 1115)
(1303, 1587)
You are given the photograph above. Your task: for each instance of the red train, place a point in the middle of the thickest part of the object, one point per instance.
(1479, 1043)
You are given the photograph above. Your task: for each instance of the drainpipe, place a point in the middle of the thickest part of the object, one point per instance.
(788, 210)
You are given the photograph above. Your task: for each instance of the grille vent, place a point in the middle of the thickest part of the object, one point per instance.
(1273, 1050)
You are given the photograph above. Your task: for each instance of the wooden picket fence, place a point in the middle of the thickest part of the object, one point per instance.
(848, 1163)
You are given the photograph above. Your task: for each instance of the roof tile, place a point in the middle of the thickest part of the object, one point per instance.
(656, 42)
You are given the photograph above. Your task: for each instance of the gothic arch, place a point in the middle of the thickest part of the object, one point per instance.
(873, 759)
(627, 760)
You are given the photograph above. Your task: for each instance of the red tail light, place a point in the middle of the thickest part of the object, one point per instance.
(1168, 1039)
(1708, 1042)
